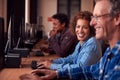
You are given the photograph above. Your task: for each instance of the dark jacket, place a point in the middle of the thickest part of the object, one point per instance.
(63, 43)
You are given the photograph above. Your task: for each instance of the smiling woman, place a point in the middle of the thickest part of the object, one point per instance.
(85, 17)
(82, 30)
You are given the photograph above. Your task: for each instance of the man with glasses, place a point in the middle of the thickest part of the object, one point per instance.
(106, 21)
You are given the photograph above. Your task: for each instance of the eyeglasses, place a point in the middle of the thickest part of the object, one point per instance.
(97, 17)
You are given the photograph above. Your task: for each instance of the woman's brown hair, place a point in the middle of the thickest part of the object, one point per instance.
(86, 15)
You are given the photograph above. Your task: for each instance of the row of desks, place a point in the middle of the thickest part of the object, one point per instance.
(14, 73)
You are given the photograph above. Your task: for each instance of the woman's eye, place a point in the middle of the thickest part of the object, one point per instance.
(85, 27)
(77, 26)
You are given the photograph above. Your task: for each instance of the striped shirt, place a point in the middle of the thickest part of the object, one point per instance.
(86, 54)
(108, 68)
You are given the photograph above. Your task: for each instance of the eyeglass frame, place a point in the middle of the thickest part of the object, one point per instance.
(96, 17)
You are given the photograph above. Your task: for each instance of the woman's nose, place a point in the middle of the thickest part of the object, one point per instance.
(80, 30)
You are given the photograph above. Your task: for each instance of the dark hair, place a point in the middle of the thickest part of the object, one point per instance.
(115, 7)
(63, 18)
(83, 15)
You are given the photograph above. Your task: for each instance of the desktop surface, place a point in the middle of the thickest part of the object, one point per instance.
(14, 73)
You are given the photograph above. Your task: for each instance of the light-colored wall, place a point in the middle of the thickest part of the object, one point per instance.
(0, 8)
(87, 5)
(3, 12)
(46, 9)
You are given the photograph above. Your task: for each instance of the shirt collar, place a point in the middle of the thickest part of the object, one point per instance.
(115, 50)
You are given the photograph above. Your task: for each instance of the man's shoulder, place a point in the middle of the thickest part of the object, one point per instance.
(67, 32)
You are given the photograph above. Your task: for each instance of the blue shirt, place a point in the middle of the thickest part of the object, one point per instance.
(87, 54)
(107, 69)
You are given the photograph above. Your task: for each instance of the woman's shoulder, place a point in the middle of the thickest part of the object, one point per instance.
(92, 39)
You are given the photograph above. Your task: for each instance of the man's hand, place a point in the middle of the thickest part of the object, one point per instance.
(48, 74)
(53, 32)
(44, 64)
(29, 77)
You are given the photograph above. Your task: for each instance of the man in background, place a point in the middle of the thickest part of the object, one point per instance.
(62, 41)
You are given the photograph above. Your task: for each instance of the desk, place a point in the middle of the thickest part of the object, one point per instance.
(14, 73)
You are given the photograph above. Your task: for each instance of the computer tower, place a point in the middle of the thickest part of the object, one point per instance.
(1, 42)
(12, 60)
(24, 52)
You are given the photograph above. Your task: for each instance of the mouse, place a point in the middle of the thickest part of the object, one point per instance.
(34, 64)
(40, 74)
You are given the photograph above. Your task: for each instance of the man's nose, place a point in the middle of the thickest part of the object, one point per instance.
(92, 22)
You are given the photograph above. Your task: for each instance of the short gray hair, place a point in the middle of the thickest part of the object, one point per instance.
(115, 7)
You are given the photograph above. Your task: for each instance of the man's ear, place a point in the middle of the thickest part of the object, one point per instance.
(117, 20)
(63, 24)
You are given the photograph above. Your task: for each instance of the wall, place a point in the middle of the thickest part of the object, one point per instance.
(1, 8)
(46, 9)
(87, 5)
(3, 12)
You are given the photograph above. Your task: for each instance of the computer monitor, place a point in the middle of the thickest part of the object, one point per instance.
(9, 38)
